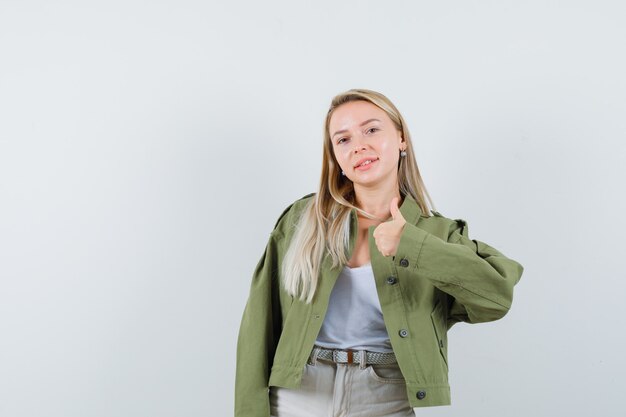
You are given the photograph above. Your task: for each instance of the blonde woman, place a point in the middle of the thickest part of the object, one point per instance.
(351, 301)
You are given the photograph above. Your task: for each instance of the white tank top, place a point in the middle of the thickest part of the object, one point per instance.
(354, 319)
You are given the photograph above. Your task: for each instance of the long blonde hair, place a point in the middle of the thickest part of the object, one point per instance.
(324, 226)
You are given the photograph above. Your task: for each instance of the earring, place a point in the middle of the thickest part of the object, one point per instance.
(403, 153)
(343, 173)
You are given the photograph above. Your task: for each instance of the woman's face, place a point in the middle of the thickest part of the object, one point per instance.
(359, 131)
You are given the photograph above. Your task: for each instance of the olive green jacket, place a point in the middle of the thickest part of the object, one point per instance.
(439, 276)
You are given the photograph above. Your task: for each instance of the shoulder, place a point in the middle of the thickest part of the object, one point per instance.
(445, 224)
(292, 212)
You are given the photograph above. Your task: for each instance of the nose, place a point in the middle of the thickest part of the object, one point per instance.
(359, 144)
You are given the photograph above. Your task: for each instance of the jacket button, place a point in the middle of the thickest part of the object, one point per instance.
(392, 280)
(404, 262)
(421, 395)
(403, 333)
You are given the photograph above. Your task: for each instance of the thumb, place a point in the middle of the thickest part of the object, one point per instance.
(395, 211)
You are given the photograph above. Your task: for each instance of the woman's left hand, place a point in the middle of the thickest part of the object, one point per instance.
(387, 234)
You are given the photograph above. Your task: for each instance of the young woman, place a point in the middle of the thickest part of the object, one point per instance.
(351, 301)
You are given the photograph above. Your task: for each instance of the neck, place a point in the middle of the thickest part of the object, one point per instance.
(376, 201)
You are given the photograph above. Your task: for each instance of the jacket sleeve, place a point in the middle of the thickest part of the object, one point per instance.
(257, 338)
(261, 326)
(479, 278)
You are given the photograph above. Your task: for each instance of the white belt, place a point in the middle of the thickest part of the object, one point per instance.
(352, 356)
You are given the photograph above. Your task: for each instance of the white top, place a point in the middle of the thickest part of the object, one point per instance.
(354, 319)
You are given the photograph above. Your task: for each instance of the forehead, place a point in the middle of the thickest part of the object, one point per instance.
(354, 113)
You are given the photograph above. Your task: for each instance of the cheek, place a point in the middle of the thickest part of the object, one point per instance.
(342, 156)
(386, 145)
(389, 148)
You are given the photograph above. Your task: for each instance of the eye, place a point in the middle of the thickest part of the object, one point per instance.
(372, 129)
(339, 141)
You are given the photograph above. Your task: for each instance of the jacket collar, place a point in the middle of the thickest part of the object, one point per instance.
(410, 209)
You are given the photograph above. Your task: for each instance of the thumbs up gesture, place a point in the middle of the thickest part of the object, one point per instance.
(387, 234)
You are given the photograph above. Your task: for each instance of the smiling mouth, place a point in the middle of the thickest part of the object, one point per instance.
(366, 163)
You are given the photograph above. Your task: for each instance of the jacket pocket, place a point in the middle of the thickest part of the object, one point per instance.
(440, 328)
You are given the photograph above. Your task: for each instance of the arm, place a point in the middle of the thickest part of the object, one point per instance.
(257, 338)
(479, 278)
(261, 326)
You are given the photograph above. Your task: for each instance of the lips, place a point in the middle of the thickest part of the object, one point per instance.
(362, 160)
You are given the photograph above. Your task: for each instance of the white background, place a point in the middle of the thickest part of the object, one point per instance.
(148, 147)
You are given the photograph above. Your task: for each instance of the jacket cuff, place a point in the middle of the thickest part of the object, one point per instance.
(410, 246)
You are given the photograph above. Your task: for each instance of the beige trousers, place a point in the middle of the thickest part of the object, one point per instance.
(339, 390)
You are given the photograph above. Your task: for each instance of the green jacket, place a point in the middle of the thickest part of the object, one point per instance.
(438, 277)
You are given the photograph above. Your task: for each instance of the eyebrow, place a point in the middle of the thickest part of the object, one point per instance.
(362, 124)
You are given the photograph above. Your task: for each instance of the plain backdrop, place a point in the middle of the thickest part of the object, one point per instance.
(148, 147)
